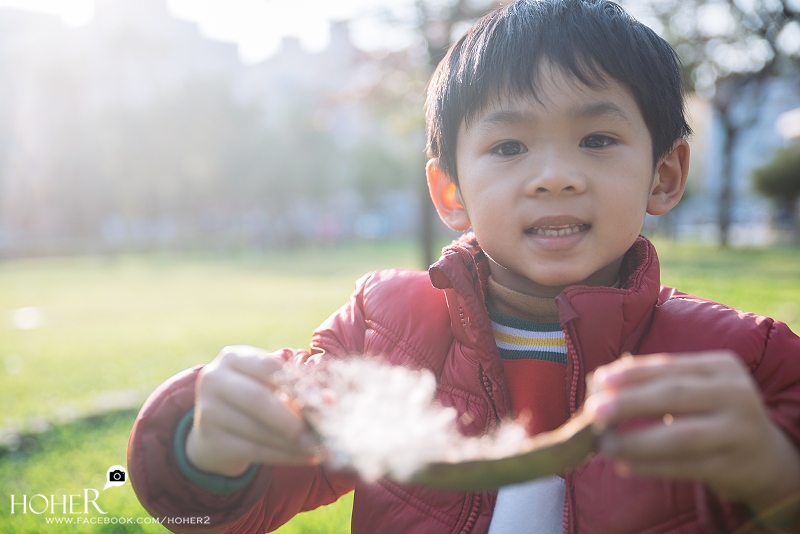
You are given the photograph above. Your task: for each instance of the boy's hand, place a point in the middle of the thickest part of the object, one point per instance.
(241, 418)
(714, 426)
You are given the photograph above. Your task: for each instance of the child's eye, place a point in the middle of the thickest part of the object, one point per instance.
(597, 141)
(509, 148)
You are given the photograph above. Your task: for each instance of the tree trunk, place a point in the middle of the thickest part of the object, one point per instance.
(726, 188)
(730, 94)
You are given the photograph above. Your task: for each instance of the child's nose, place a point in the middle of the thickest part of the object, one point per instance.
(554, 173)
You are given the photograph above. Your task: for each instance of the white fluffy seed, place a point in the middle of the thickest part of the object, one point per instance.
(382, 420)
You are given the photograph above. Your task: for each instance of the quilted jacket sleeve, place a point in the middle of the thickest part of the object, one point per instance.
(276, 493)
(778, 376)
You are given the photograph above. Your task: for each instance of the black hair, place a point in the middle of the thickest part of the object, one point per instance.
(593, 40)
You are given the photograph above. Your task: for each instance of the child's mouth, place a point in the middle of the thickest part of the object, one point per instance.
(557, 231)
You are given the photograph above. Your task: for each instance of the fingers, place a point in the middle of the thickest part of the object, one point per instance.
(630, 370)
(242, 393)
(252, 361)
(685, 438)
(241, 417)
(714, 426)
(246, 448)
(651, 386)
(658, 397)
(203, 451)
(678, 468)
(698, 447)
(238, 424)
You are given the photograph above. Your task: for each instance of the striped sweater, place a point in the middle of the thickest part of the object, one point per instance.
(534, 353)
(519, 339)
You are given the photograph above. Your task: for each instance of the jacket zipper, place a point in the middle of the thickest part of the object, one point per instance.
(572, 355)
(473, 514)
(486, 387)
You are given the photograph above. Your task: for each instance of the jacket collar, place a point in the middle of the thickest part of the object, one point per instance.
(463, 274)
(603, 322)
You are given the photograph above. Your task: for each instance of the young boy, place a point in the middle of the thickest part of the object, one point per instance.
(553, 127)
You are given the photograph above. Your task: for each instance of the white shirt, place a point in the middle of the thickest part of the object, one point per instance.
(535, 507)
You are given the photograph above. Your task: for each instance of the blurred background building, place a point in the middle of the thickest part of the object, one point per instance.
(135, 131)
(775, 123)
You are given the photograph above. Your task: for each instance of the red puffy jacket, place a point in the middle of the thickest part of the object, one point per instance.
(445, 327)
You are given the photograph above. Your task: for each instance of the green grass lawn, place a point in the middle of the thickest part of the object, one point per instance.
(114, 328)
(764, 281)
(73, 457)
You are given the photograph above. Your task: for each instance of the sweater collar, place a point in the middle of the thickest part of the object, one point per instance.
(521, 306)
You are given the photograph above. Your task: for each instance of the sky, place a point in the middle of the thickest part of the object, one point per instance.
(257, 26)
(72, 12)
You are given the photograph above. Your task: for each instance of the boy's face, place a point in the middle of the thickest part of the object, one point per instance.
(556, 191)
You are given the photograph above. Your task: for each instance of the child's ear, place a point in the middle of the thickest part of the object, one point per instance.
(446, 197)
(669, 181)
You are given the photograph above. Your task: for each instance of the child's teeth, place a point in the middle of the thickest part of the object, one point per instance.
(558, 231)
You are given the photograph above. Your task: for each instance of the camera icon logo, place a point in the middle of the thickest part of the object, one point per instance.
(116, 476)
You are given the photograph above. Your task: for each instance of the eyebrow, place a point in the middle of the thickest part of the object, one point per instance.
(601, 109)
(503, 116)
(596, 109)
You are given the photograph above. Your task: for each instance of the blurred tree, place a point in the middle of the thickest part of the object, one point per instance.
(377, 171)
(730, 49)
(171, 158)
(441, 23)
(779, 179)
(202, 159)
(137, 132)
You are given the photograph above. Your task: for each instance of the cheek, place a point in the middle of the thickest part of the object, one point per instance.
(481, 200)
(630, 186)
(626, 205)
